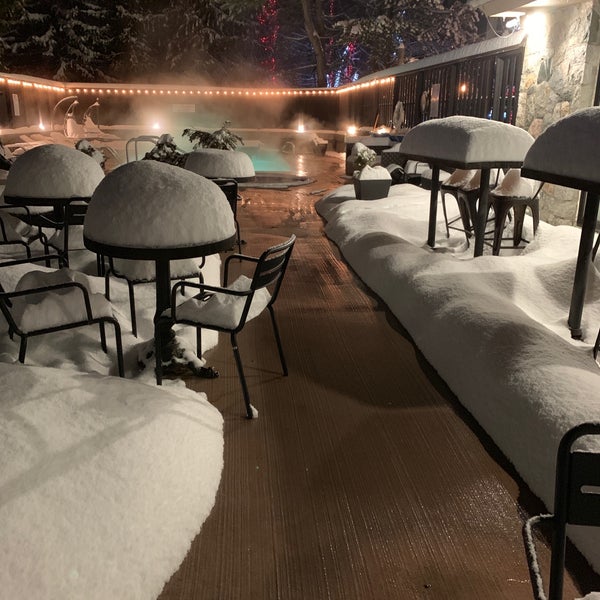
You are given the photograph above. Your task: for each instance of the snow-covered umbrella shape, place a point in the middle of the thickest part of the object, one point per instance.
(215, 163)
(465, 143)
(566, 153)
(53, 171)
(149, 204)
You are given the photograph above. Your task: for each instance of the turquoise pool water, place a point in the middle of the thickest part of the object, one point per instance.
(265, 159)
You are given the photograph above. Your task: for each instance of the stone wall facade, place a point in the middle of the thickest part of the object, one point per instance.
(560, 70)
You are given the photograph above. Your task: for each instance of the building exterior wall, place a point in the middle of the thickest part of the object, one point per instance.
(559, 76)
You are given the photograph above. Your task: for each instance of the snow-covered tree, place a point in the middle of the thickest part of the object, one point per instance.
(190, 38)
(393, 31)
(69, 40)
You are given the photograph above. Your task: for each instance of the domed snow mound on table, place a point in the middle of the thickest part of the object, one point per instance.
(149, 204)
(568, 149)
(460, 140)
(215, 163)
(53, 171)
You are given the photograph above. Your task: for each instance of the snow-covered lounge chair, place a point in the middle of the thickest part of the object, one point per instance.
(45, 302)
(576, 502)
(228, 308)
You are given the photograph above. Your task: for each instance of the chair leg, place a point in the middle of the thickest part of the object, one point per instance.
(157, 354)
(119, 348)
(22, 348)
(500, 211)
(239, 237)
(519, 212)
(199, 342)
(445, 214)
(278, 340)
(107, 284)
(132, 308)
(238, 362)
(103, 337)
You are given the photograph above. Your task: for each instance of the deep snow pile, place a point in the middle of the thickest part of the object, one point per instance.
(495, 328)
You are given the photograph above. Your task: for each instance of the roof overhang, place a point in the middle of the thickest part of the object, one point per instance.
(495, 8)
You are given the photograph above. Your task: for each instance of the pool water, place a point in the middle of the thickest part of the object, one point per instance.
(265, 159)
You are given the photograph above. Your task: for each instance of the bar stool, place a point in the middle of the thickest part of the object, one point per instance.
(516, 193)
(452, 185)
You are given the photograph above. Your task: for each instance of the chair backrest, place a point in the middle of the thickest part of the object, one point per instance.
(576, 496)
(577, 492)
(271, 266)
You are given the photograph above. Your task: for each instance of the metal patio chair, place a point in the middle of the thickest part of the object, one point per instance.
(27, 315)
(576, 502)
(17, 232)
(228, 308)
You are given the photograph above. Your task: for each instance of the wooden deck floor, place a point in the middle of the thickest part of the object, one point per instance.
(362, 478)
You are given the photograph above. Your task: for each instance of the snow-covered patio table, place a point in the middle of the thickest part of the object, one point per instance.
(215, 163)
(567, 154)
(148, 210)
(55, 177)
(465, 143)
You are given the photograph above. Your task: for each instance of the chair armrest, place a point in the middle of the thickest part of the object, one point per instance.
(242, 257)
(22, 261)
(51, 288)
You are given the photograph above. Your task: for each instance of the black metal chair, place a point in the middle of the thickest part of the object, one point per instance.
(230, 189)
(228, 308)
(92, 309)
(510, 195)
(17, 232)
(451, 186)
(576, 502)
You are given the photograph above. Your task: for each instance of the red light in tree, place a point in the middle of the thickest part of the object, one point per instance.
(269, 29)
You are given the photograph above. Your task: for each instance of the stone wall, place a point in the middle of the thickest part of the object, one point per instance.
(559, 76)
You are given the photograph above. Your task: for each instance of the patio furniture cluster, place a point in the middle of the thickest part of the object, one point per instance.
(147, 222)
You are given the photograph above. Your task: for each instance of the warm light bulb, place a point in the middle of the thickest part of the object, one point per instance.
(301, 128)
(156, 125)
(42, 126)
(352, 130)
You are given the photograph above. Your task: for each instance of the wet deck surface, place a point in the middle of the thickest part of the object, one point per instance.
(362, 478)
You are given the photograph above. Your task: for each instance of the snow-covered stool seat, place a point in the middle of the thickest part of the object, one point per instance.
(514, 193)
(48, 301)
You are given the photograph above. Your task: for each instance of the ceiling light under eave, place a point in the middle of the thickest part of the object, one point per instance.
(509, 14)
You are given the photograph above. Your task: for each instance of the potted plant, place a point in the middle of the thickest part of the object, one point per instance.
(167, 151)
(370, 182)
(222, 139)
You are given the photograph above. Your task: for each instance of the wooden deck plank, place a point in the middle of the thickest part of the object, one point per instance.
(362, 478)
